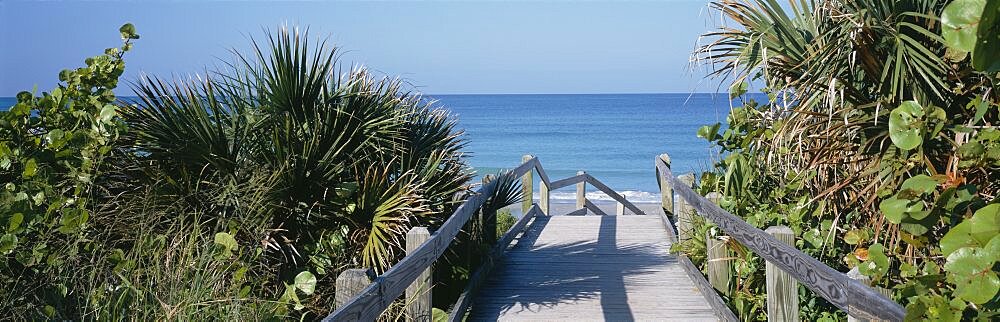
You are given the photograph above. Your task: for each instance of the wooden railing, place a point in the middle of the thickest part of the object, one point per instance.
(785, 264)
(357, 298)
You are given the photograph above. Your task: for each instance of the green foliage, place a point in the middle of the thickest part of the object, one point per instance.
(878, 146)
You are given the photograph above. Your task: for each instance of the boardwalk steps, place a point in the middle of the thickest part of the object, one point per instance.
(613, 268)
(616, 268)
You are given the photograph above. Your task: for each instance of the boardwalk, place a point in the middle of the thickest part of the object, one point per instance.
(613, 268)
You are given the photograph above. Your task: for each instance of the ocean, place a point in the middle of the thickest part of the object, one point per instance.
(614, 137)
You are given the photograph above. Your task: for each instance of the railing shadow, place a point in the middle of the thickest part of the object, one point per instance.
(568, 272)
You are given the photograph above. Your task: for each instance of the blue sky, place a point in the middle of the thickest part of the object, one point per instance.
(439, 47)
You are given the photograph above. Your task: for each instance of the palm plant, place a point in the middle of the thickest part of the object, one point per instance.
(350, 157)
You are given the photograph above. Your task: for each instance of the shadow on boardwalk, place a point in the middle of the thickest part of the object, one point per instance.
(590, 266)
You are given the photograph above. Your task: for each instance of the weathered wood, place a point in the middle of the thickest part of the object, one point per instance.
(526, 184)
(666, 190)
(495, 256)
(371, 301)
(782, 290)
(614, 195)
(541, 171)
(856, 275)
(706, 289)
(578, 212)
(543, 199)
(349, 283)
(581, 191)
(419, 293)
(567, 181)
(595, 209)
(849, 295)
(585, 268)
(619, 209)
(718, 262)
(685, 213)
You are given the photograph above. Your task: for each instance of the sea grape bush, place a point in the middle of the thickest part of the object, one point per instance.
(879, 147)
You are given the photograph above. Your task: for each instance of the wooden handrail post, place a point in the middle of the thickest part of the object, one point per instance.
(527, 194)
(718, 263)
(666, 190)
(685, 212)
(620, 211)
(489, 218)
(543, 198)
(418, 294)
(349, 283)
(581, 192)
(782, 289)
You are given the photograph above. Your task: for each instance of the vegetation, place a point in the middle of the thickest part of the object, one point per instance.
(241, 194)
(878, 146)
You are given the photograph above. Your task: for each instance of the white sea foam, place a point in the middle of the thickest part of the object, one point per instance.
(597, 196)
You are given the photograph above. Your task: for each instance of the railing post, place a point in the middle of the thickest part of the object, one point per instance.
(666, 190)
(717, 262)
(349, 283)
(543, 198)
(526, 190)
(620, 210)
(782, 289)
(685, 212)
(855, 274)
(581, 192)
(489, 218)
(418, 294)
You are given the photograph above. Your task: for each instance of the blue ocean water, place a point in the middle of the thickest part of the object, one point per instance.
(614, 137)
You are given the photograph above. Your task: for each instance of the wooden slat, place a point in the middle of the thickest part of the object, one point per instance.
(566, 182)
(524, 167)
(706, 289)
(368, 304)
(586, 268)
(541, 172)
(578, 212)
(847, 294)
(477, 279)
(614, 195)
(594, 208)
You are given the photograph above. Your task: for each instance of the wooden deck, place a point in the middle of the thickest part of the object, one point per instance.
(585, 268)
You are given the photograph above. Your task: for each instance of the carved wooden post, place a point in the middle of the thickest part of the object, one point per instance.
(620, 210)
(717, 264)
(488, 218)
(581, 192)
(418, 294)
(526, 192)
(349, 283)
(685, 211)
(782, 289)
(666, 190)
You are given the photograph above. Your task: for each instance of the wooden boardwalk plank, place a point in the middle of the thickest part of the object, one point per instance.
(590, 268)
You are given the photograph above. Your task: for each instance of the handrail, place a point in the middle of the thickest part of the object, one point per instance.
(852, 296)
(377, 296)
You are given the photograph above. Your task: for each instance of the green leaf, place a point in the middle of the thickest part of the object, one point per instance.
(877, 264)
(960, 24)
(15, 222)
(972, 273)
(30, 168)
(921, 183)
(7, 243)
(905, 126)
(975, 232)
(306, 282)
(228, 245)
(895, 209)
(438, 315)
(128, 31)
(986, 56)
(971, 151)
(737, 90)
(855, 237)
(107, 112)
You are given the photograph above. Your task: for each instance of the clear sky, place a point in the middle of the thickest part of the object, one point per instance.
(439, 47)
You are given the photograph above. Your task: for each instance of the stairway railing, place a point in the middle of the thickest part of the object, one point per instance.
(855, 298)
(365, 301)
